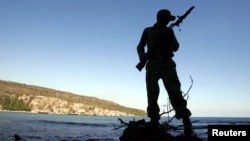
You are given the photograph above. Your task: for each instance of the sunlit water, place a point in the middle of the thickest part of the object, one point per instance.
(48, 127)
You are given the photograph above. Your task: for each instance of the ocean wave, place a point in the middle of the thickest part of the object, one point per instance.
(73, 123)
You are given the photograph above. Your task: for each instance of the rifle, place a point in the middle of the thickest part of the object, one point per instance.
(144, 61)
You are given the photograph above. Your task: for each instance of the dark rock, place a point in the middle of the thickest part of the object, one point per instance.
(142, 131)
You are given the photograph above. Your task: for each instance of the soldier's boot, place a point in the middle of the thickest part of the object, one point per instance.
(188, 128)
(154, 123)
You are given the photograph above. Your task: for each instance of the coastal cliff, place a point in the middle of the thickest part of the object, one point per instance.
(21, 97)
(43, 104)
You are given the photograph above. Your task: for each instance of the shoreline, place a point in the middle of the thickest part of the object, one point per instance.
(30, 112)
(46, 113)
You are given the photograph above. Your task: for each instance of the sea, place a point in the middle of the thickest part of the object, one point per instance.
(53, 127)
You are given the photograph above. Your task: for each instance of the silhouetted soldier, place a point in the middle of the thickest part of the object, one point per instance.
(161, 43)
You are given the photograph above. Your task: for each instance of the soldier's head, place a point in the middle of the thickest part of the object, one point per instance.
(164, 17)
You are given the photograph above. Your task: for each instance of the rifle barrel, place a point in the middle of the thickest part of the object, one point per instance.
(181, 18)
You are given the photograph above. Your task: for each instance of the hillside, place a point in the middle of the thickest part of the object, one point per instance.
(22, 97)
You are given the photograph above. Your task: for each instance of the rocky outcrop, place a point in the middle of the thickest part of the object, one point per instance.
(144, 131)
(43, 104)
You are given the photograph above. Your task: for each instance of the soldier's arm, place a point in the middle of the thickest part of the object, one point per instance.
(141, 45)
(175, 43)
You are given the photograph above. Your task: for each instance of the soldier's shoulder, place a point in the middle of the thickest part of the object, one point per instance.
(149, 28)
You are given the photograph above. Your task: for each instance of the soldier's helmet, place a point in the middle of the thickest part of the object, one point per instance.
(165, 13)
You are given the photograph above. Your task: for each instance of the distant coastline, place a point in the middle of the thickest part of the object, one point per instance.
(35, 99)
(46, 113)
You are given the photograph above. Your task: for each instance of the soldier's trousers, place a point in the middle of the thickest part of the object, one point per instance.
(165, 70)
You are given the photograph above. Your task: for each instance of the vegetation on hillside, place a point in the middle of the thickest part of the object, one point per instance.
(10, 91)
(13, 104)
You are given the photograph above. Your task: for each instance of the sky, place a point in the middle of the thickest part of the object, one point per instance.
(88, 47)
